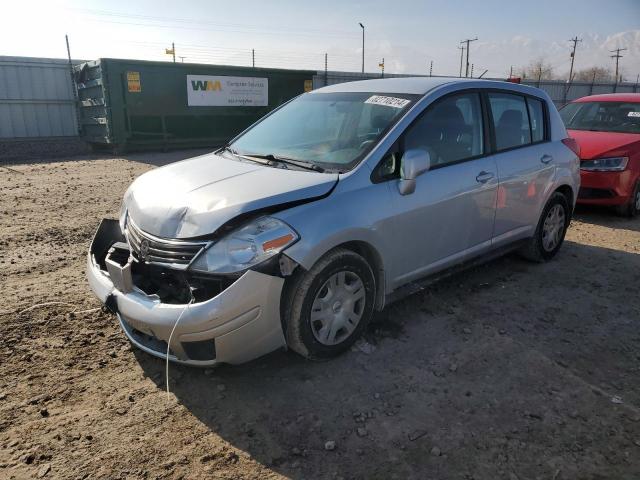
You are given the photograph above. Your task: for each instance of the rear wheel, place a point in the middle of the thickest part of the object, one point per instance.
(632, 208)
(550, 231)
(327, 308)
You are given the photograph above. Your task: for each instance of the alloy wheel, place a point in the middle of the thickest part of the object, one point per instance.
(553, 228)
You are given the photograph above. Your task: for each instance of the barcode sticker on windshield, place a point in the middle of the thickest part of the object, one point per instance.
(633, 114)
(387, 101)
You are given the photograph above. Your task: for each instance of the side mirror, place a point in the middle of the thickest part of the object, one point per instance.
(413, 164)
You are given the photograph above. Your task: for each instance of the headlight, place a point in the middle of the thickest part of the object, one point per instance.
(255, 242)
(123, 209)
(614, 164)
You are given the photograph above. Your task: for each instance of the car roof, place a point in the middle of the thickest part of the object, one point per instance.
(418, 85)
(611, 97)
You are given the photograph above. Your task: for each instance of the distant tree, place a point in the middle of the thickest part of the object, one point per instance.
(538, 69)
(595, 74)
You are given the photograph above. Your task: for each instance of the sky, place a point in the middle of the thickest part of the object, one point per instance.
(408, 34)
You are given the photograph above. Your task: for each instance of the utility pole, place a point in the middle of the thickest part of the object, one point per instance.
(539, 76)
(381, 65)
(362, 26)
(593, 80)
(617, 56)
(431, 68)
(575, 41)
(253, 57)
(461, 58)
(472, 70)
(326, 75)
(511, 72)
(468, 41)
(181, 59)
(171, 51)
(74, 87)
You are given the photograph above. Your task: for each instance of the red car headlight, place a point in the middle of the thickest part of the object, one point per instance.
(613, 164)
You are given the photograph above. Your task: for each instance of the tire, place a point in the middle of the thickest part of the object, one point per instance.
(339, 292)
(539, 248)
(631, 208)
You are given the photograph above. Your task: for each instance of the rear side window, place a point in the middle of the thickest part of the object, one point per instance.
(510, 120)
(450, 130)
(536, 117)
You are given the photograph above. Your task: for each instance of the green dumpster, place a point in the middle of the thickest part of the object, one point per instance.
(135, 104)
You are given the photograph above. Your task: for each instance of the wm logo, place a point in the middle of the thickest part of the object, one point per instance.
(206, 85)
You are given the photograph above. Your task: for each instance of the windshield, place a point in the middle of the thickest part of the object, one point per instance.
(332, 130)
(623, 117)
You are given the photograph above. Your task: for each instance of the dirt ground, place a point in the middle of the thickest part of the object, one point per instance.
(508, 371)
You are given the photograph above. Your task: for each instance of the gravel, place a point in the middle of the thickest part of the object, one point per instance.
(545, 355)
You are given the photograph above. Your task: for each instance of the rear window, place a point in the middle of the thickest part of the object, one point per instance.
(510, 120)
(623, 117)
(536, 118)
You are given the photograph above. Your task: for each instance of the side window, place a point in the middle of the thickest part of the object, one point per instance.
(510, 120)
(536, 117)
(450, 130)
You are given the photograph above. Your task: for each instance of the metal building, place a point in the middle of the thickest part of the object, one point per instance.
(36, 98)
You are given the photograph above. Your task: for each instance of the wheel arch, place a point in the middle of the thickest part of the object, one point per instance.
(360, 246)
(568, 193)
(374, 259)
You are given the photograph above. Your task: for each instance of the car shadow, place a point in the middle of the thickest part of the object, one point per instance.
(605, 216)
(446, 379)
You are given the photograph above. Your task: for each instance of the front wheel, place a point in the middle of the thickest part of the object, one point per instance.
(327, 308)
(550, 231)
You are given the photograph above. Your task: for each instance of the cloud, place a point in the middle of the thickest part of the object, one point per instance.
(594, 50)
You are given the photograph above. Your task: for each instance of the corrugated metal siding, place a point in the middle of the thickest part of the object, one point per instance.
(36, 98)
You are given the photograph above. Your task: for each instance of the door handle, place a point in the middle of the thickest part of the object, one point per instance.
(484, 177)
(546, 158)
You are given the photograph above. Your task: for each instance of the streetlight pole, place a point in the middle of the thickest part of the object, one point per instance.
(362, 26)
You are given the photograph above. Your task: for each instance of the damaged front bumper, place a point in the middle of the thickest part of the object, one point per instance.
(240, 323)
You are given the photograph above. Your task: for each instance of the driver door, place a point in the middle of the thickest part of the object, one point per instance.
(450, 215)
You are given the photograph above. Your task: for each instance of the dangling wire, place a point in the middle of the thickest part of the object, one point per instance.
(186, 307)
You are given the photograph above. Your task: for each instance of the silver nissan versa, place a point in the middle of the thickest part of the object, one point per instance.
(328, 208)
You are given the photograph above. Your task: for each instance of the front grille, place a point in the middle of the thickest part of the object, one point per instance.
(595, 193)
(150, 249)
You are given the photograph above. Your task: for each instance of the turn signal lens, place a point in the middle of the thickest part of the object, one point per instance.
(277, 242)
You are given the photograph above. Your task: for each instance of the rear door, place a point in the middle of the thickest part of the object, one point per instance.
(524, 161)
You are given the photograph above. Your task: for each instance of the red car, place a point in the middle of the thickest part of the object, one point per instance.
(607, 130)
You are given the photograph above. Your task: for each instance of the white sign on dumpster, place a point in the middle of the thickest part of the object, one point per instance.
(219, 91)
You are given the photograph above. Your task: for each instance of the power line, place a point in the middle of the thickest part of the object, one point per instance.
(192, 24)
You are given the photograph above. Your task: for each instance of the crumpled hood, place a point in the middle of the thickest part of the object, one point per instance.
(195, 197)
(603, 144)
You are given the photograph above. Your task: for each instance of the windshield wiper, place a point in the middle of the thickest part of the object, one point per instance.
(289, 161)
(253, 158)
